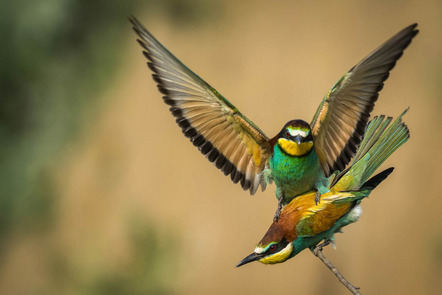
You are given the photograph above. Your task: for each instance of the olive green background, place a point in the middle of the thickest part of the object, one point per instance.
(102, 194)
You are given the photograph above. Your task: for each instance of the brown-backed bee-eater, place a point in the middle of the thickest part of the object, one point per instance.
(302, 156)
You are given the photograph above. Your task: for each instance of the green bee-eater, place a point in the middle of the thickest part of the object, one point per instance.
(303, 224)
(302, 156)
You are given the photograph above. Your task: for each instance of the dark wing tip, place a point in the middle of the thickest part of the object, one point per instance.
(136, 23)
(403, 39)
(213, 154)
(157, 55)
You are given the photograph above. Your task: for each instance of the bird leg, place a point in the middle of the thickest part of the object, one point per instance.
(278, 210)
(322, 245)
(318, 198)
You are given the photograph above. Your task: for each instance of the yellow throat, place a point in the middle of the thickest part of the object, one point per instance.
(293, 149)
(279, 257)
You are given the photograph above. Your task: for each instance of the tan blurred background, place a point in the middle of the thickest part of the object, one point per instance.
(102, 193)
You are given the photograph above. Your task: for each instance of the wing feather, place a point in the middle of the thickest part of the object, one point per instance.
(227, 138)
(341, 118)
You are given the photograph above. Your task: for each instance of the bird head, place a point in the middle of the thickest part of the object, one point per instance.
(295, 138)
(277, 244)
(275, 252)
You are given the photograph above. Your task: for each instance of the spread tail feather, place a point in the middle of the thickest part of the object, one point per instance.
(381, 138)
(381, 143)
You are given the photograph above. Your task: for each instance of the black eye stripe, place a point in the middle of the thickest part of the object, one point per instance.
(277, 247)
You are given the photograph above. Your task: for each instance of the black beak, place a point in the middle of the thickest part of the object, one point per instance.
(252, 257)
(298, 139)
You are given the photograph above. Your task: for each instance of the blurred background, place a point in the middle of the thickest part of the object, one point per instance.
(101, 193)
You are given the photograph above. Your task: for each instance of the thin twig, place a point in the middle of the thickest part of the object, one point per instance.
(318, 253)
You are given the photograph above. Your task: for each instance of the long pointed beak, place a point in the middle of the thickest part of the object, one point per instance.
(252, 257)
(298, 139)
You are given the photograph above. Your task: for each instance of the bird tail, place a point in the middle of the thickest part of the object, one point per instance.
(373, 182)
(381, 138)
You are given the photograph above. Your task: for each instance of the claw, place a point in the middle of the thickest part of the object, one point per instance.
(318, 248)
(317, 198)
(323, 244)
(276, 216)
(278, 210)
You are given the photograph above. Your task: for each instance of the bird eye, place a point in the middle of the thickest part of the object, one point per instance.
(272, 248)
(287, 133)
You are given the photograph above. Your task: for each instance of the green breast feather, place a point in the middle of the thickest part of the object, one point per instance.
(294, 175)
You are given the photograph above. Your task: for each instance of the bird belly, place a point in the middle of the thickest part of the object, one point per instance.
(294, 175)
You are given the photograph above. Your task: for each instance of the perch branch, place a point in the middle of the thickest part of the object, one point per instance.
(318, 253)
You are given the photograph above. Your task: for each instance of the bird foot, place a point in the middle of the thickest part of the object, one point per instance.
(278, 210)
(276, 216)
(317, 198)
(319, 247)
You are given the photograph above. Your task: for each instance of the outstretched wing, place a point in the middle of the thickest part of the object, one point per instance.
(340, 120)
(227, 138)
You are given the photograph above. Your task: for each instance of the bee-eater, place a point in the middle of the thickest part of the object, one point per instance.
(299, 158)
(303, 224)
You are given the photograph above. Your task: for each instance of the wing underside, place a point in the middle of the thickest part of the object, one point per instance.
(226, 137)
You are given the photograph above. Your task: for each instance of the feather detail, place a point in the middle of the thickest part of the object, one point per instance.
(340, 120)
(227, 138)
